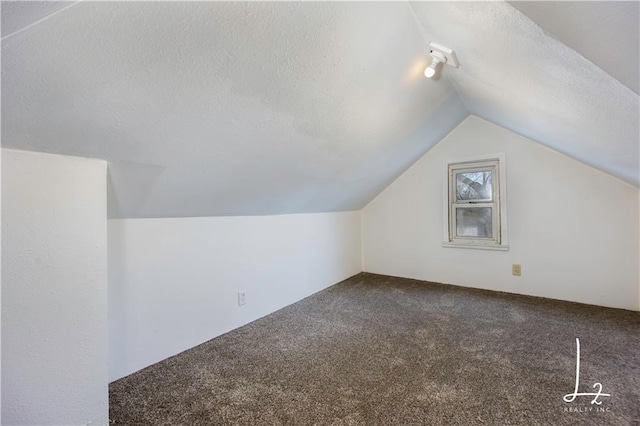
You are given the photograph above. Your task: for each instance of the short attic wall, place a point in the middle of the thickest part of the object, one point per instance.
(573, 229)
(174, 283)
(54, 290)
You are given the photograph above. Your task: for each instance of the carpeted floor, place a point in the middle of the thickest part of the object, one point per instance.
(376, 350)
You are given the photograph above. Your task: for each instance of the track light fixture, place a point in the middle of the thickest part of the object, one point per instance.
(439, 55)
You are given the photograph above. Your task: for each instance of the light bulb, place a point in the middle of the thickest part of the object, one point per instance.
(436, 59)
(430, 71)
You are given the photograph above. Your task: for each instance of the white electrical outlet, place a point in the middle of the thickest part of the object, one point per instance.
(242, 298)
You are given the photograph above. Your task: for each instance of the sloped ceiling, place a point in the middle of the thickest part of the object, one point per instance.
(206, 109)
(579, 25)
(20, 15)
(514, 74)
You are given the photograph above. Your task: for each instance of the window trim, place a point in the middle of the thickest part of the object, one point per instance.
(500, 195)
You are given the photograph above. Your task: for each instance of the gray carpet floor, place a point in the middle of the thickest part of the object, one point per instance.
(377, 350)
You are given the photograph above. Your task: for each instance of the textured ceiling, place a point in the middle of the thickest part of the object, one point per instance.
(208, 108)
(20, 15)
(606, 33)
(514, 74)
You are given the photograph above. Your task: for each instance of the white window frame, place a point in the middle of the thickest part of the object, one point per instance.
(499, 240)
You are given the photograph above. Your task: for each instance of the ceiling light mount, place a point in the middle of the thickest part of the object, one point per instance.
(440, 55)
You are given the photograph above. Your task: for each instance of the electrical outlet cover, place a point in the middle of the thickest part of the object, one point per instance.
(516, 269)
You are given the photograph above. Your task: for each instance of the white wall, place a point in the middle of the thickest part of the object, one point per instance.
(173, 282)
(574, 229)
(54, 281)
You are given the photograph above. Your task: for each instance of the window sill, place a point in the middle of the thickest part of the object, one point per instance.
(448, 244)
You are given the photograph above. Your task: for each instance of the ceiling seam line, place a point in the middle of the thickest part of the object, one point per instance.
(38, 21)
(554, 37)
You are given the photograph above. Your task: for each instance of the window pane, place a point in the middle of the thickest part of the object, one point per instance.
(474, 185)
(474, 222)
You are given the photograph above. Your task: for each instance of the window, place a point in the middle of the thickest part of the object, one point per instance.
(475, 203)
